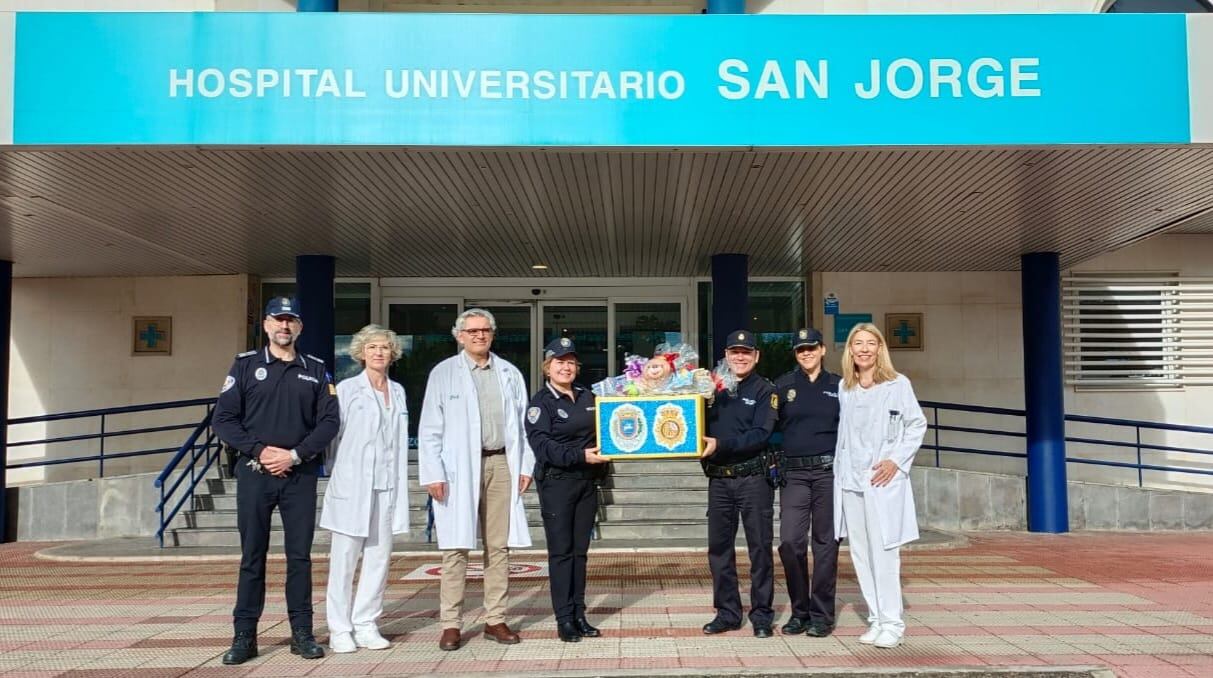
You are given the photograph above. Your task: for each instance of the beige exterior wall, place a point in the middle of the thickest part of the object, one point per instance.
(71, 350)
(973, 337)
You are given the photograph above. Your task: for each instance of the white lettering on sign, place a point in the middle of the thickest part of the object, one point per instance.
(984, 78)
(771, 80)
(737, 79)
(439, 83)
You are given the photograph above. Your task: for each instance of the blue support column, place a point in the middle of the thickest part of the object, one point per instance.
(314, 279)
(726, 7)
(730, 298)
(316, 6)
(1048, 501)
(6, 326)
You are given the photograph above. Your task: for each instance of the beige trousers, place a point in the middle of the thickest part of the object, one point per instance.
(496, 492)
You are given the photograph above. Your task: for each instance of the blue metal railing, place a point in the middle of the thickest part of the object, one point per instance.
(1010, 427)
(201, 457)
(102, 434)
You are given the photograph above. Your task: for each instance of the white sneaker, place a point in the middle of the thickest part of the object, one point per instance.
(371, 640)
(887, 640)
(341, 643)
(869, 637)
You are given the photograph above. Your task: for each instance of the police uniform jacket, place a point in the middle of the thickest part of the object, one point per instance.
(265, 401)
(742, 422)
(808, 413)
(560, 428)
(350, 496)
(448, 449)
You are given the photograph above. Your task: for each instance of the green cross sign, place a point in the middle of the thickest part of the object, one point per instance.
(904, 332)
(150, 335)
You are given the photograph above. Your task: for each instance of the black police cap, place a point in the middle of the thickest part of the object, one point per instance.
(742, 339)
(282, 306)
(807, 336)
(558, 348)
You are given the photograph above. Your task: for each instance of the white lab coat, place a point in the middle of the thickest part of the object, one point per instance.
(347, 501)
(892, 505)
(448, 449)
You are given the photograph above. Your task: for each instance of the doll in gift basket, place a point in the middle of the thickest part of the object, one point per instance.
(673, 370)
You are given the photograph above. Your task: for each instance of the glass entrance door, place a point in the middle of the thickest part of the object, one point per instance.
(586, 324)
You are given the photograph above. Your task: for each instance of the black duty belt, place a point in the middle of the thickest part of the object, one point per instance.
(753, 467)
(492, 453)
(550, 473)
(812, 462)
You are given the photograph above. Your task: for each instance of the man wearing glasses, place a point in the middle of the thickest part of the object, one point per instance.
(278, 410)
(474, 461)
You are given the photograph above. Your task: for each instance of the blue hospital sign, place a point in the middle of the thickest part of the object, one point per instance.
(618, 80)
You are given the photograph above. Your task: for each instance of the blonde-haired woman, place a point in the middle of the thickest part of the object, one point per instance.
(880, 428)
(367, 497)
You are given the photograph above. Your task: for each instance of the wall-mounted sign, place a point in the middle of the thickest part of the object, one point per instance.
(152, 335)
(594, 80)
(903, 331)
(843, 322)
(831, 304)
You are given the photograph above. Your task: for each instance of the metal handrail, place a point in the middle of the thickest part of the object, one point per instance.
(1137, 445)
(207, 453)
(124, 409)
(103, 433)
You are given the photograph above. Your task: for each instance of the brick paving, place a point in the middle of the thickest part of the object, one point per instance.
(1138, 604)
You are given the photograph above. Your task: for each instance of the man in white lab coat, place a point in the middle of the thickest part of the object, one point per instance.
(474, 461)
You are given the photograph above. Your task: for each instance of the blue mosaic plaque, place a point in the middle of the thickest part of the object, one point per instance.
(650, 427)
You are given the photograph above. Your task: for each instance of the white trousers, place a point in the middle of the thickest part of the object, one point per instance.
(347, 611)
(878, 568)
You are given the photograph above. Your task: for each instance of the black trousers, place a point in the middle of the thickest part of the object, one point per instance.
(806, 512)
(294, 496)
(753, 498)
(568, 506)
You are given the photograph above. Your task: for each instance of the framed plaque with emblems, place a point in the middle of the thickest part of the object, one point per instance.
(650, 427)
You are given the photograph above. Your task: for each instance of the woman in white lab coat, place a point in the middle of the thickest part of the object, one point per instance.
(367, 497)
(880, 428)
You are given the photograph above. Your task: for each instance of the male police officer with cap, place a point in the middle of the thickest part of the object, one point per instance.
(279, 411)
(739, 425)
(808, 417)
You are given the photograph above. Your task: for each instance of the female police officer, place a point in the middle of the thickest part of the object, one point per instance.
(560, 430)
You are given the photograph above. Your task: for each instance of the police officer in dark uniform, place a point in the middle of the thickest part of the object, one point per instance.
(736, 463)
(560, 429)
(278, 409)
(808, 418)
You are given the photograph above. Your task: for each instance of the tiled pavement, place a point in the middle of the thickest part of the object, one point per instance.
(1139, 604)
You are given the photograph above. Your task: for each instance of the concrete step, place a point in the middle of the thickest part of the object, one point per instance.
(643, 532)
(606, 514)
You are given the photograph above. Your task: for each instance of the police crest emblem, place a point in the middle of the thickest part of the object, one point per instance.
(791, 394)
(670, 427)
(628, 429)
(532, 415)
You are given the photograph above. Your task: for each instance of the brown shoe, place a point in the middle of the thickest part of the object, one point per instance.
(450, 639)
(501, 633)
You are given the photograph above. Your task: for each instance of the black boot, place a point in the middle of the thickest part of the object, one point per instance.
(244, 648)
(304, 644)
(585, 629)
(567, 631)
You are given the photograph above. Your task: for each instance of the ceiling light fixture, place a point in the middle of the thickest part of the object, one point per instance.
(539, 267)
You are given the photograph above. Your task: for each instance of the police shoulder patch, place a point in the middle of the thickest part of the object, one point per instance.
(246, 354)
(532, 415)
(774, 401)
(228, 383)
